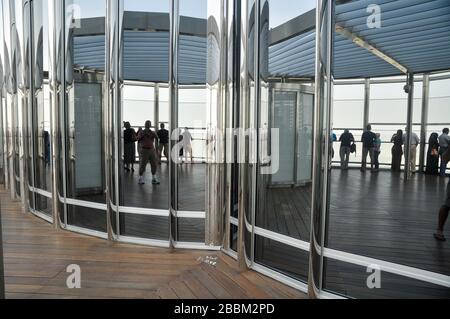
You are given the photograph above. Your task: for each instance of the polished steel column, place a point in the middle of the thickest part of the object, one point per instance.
(25, 92)
(21, 59)
(173, 117)
(112, 98)
(424, 121)
(216, 86)
(366, 102)
(241, 147)
(55, 80)
(156, 108)
(11, 87)
(322, 157)
(409, 125)
(2, 273)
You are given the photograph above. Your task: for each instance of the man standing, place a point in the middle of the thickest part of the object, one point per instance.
(346, 140)
(444, 142)
(445, 209)
(368, 140)
(147, 139)
(413, 149)
(163, 136)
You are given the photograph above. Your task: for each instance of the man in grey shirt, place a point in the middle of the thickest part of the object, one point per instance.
(415, 141)
(444, 141)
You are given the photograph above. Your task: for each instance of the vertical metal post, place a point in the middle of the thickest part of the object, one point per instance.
(2, 273)
(366, 102)
(321, 141)
(156, 107)
(409, 125)
(55, 79)
(215, 117)
(243, 120)
(424, 120)
(109, 102)
(173, 116)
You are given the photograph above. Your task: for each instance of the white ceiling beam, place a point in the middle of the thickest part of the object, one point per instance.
(370, 47)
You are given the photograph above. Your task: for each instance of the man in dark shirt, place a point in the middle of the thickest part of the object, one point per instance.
(368, 139)
(163, 147)
(346, 140)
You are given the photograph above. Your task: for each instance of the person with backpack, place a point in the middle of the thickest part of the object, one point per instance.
(346, 140)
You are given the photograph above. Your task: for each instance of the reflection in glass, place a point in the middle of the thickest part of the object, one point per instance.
(41, 106)
(285, 126)
(143, 174)
(84, 151)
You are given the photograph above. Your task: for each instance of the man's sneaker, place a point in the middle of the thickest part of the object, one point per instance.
(141, 180)
(155, 181)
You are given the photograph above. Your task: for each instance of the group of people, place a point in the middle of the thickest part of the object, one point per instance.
(371, 146)
(371, 142)
(438, 150)
(151, 147)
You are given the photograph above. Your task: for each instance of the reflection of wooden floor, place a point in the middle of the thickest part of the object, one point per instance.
(286, 211)
(36, 257)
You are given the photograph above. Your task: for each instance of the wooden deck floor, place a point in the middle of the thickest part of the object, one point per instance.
(36, 258)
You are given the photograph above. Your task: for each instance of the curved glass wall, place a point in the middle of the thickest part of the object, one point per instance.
(125, 122)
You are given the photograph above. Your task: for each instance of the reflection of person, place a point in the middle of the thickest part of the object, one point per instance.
(47, 147)
(377, 152)
(445, 209)
(415, 141)
(397, 151)
(163, 146)
(148, 153)
(187, 146)
(346, 140)
(368, 140)
(444, 142)
(433, 155)
(333, 139)
(129, 147)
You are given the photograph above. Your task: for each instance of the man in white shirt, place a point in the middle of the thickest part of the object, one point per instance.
(444, 142)
(415, 141)
(187, 146)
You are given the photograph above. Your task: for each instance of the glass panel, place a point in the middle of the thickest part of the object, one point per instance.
(289, 260)
(88, 218)
(379, 212)
(352, 281)
(285, 126)
(143, 174)
(191, 230)
(142, 226)
(41, 106)
(192, 106)
(84, 151)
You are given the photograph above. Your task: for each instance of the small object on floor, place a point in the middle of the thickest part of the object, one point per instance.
(439, 237)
